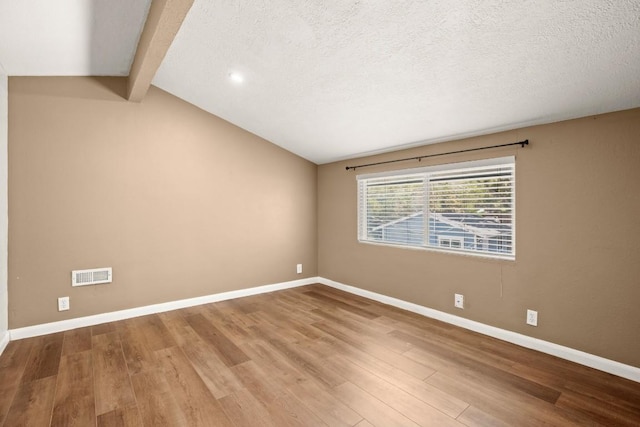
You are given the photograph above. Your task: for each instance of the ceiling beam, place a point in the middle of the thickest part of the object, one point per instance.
(163, 22)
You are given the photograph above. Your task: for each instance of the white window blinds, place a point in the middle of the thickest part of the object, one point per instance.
(463, 207)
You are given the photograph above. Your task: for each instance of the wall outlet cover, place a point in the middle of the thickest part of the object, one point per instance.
(63, 303)
(532, 317)
(458, 301)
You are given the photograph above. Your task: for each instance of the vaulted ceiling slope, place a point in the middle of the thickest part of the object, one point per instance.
(70, 37)
(337, 79)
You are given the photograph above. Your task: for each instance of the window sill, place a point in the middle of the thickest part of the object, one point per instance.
(482, 255)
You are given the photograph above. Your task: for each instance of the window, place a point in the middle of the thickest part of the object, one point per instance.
(469, 207)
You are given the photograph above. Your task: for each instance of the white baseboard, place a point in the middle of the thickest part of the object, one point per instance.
(4, 340)
(65, 325)
(567, 353)
(596, 362)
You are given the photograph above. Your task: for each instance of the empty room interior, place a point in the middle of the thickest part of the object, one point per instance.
(359, 213)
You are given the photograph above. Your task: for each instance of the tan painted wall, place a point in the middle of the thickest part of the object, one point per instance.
(179, 202)
(577, 245)
(182, 204)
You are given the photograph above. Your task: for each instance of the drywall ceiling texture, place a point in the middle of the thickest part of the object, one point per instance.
(329, 81)
(70, 37)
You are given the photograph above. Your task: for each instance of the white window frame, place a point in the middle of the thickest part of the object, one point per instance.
(508, 163)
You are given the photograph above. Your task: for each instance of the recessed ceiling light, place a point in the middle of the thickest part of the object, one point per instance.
(236, 77)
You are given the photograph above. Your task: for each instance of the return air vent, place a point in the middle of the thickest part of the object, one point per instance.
(94, 276)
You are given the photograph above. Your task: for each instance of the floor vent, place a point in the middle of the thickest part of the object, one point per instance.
(94, 276)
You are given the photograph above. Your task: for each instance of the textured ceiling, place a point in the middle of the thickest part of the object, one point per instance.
(70, 37)
(336, 79)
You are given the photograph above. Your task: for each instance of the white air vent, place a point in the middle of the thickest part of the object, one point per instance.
(94, 276)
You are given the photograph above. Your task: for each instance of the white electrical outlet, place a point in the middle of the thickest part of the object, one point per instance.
(63, 304)
(458, 300)
(532, 317)
(299, 268)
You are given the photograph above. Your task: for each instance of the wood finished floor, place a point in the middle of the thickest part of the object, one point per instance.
(306, 356)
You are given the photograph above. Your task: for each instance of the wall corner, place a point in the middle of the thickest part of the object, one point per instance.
(4, 204)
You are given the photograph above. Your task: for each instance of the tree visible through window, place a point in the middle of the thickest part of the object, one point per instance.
(469, 207)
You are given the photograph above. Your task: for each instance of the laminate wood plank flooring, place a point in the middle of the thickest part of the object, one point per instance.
(111, 378)
(74, 403)
(307, 356)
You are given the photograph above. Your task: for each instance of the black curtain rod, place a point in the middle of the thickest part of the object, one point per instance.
(419, 158)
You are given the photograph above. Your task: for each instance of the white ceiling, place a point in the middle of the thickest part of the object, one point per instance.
(336, 79)
(70, 37)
